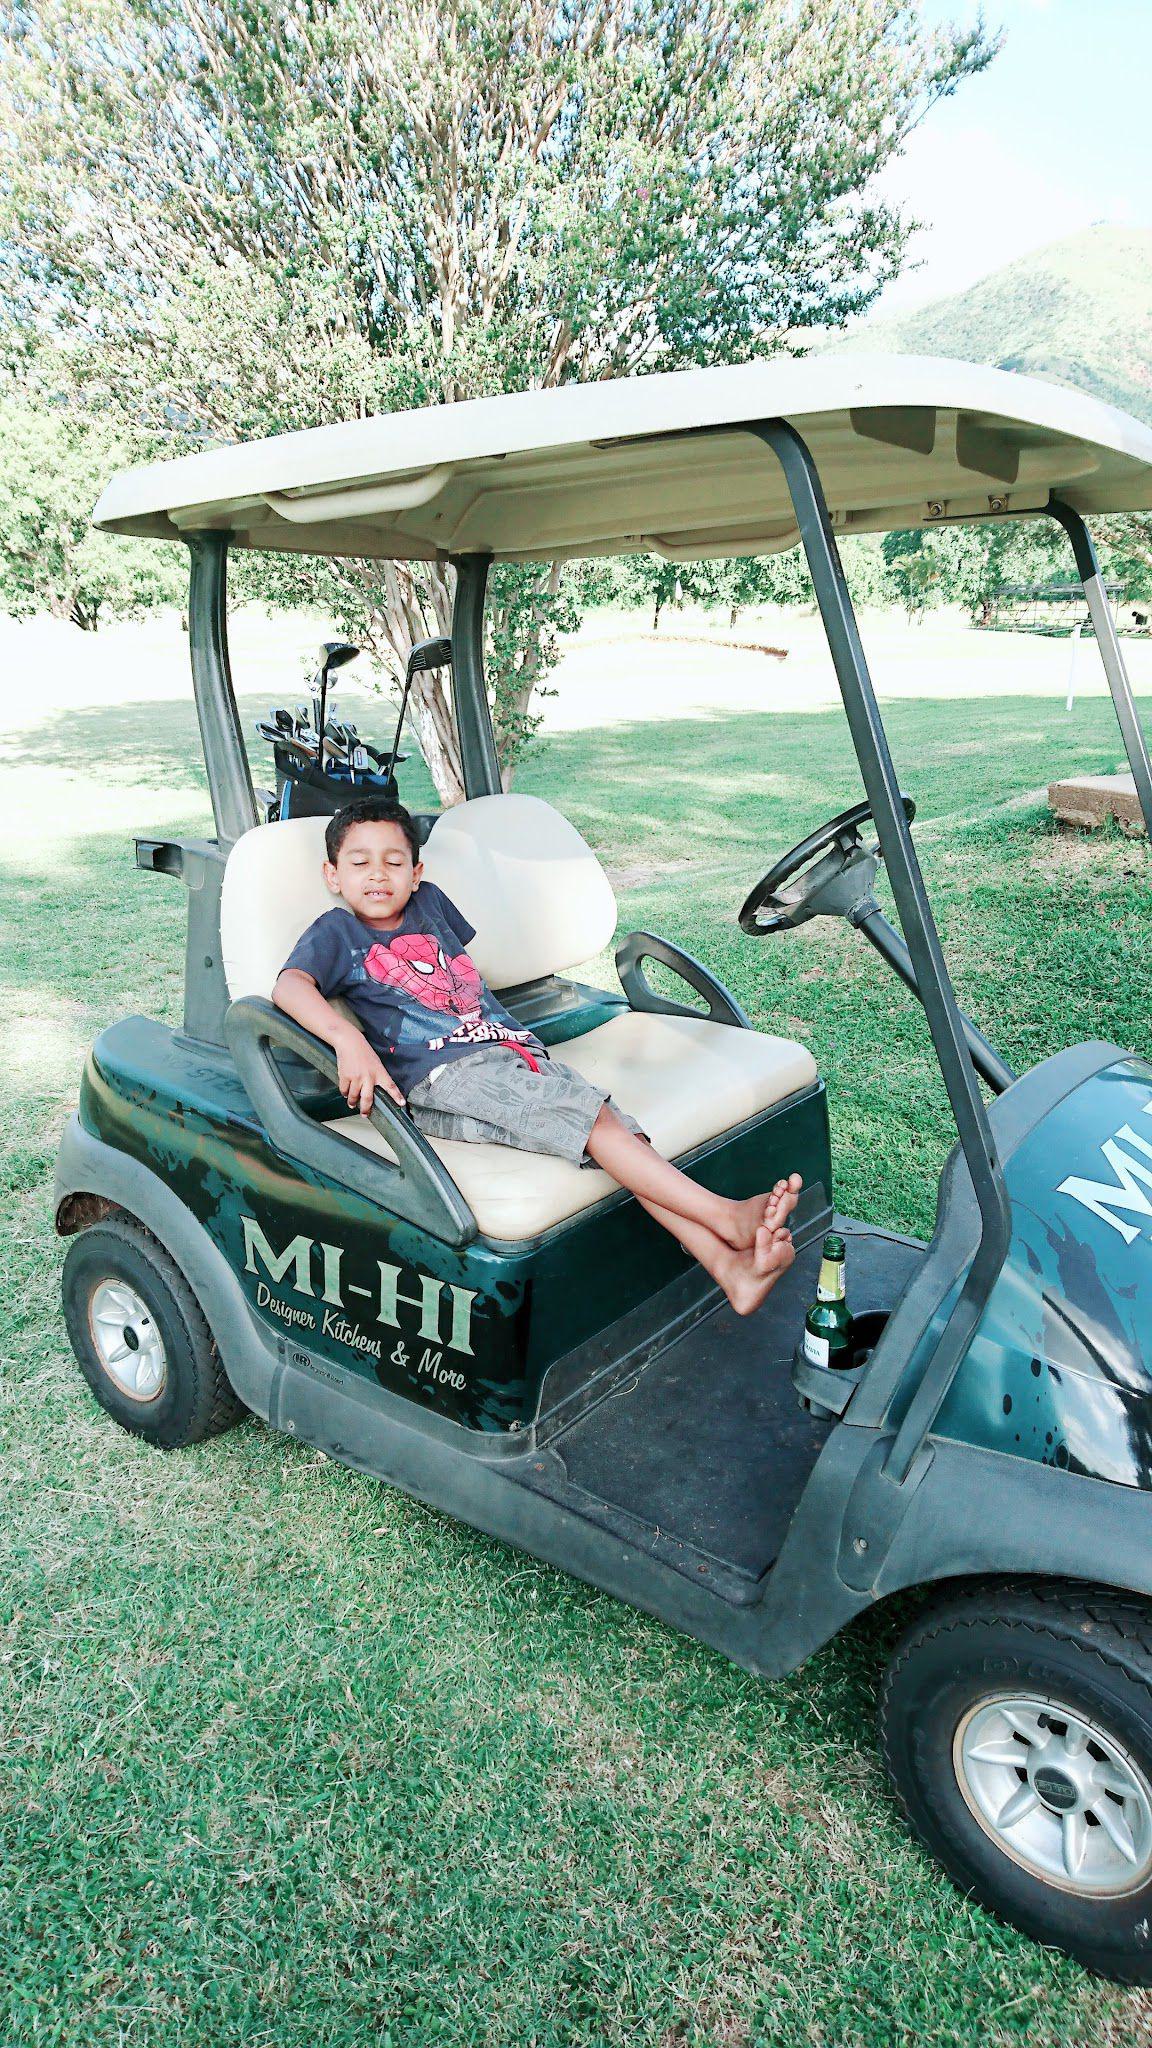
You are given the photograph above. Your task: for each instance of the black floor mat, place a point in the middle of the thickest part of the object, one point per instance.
(701, 1458)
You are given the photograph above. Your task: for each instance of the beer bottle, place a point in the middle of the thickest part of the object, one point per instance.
(828, 1323)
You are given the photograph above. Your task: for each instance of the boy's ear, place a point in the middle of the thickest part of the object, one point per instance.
(330, 877)
(417, 873)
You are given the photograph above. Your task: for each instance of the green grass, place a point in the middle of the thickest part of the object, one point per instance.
(287, 1759)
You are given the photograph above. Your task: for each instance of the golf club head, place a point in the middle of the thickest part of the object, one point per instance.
(429, 654)
(334, 654)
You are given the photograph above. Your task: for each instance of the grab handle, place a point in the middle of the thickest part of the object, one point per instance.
(640, 946)
(417, 1187)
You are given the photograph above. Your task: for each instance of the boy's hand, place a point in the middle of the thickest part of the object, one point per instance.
(362, 1072)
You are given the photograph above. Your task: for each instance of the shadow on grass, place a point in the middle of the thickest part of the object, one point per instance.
(955, 753)
(151, 740)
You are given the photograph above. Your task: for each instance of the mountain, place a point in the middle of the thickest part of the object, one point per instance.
(1078, 312)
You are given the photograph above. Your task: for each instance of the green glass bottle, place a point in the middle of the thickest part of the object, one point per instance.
(828, 1324)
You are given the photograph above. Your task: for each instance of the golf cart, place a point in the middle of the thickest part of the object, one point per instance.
(513, 1339)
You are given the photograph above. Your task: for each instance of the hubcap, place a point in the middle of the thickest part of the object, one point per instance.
(1057, 1793)
(128, 1344)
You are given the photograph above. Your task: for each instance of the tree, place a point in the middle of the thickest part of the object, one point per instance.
(915, 570)
(650, 582)
(51, 557)
(972, 565)
(752, 580)
(246, 220)
(1124, 544)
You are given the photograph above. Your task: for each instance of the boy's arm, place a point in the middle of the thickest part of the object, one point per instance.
(361, 1070)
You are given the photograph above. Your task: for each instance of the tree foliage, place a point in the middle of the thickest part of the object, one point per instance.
(1127, 552)
(248, 217)
(974, 565)
(51, 557)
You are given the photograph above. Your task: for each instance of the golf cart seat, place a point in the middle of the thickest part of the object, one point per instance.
(541, 903)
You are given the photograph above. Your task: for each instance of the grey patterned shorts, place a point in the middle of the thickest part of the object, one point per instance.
(492, 1097)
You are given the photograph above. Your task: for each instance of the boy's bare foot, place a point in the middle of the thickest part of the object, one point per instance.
(783, 1200)
(753, 1274)
(739, 1227)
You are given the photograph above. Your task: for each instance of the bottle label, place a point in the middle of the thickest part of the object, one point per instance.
(815, 1348)
(830, 1286)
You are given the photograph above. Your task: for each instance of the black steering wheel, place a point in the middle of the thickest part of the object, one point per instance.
(829, 874)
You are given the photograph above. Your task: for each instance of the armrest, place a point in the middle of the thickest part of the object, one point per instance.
(418, 1188)
(639, 946)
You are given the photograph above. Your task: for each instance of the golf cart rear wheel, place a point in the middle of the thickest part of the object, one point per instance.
(140, 1338)
(1016, 1725)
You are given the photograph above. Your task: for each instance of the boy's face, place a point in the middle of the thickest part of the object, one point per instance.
(374, 873)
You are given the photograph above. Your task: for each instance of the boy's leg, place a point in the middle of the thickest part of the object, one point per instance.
(746, 1276)
(654, 1180)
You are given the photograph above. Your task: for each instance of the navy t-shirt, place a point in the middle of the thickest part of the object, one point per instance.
(414, 991)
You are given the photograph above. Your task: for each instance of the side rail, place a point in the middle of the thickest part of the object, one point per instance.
(418, 1187)
(640, 946)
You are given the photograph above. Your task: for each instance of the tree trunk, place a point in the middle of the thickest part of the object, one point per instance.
(398, 620)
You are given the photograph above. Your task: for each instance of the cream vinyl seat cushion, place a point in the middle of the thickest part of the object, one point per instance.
(540, 902)
(683, 1079)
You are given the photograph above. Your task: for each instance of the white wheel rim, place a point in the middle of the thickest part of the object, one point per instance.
(126, 1341)
(1057, 1793)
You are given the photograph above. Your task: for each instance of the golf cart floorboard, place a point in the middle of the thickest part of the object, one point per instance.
(699, 1458)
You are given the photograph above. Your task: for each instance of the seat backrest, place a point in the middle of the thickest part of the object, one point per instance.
(533, 888)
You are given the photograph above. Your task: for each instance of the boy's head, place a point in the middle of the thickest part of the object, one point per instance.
(373, 862)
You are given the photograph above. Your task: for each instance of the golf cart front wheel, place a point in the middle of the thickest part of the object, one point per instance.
(1016, 1726)
(140, 1337)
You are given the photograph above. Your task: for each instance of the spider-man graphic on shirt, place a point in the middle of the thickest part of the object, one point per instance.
(418, 964)
(406, 986)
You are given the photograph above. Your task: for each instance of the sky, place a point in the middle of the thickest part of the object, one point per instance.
(1055, 136)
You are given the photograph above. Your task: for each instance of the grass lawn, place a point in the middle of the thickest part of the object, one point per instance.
(286, 1759)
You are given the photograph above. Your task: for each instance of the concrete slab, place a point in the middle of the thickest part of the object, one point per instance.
(1090, 800)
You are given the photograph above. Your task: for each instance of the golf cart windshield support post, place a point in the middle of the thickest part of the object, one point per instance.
(1107, 640)
(933, 983)
(478, 756)
(229, 778)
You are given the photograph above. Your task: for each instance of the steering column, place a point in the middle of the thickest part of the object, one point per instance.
(832, 873)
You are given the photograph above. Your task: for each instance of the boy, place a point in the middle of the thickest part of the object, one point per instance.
(464, 1068)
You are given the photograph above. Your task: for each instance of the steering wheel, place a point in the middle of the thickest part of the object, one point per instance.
(829, 874)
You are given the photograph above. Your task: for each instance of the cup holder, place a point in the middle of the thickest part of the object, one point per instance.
(866, 1331)
(827, 1389)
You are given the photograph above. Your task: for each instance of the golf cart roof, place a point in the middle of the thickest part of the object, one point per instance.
(654, 463)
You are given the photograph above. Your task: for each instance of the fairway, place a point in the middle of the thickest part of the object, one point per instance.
(287, 1759)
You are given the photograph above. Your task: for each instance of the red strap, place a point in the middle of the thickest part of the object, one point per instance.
(524, 1053)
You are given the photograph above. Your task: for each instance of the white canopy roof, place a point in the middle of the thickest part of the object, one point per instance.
(656, 463)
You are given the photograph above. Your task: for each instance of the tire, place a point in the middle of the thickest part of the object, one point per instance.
(1084, 1659)
(160, 1375)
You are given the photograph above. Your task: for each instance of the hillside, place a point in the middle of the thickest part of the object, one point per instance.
(1078, 312)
